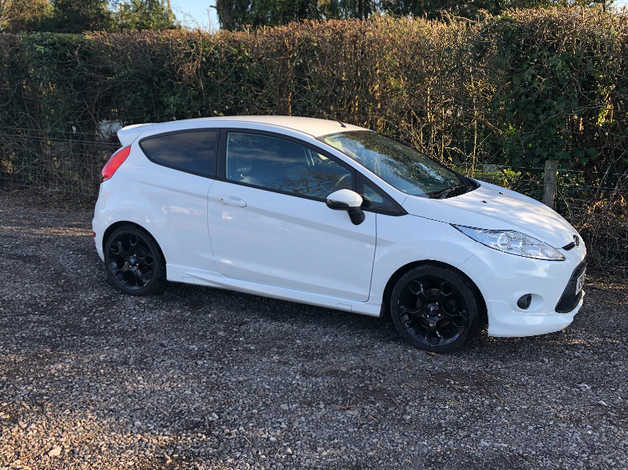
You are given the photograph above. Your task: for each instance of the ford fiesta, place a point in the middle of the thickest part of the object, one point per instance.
(331, 214)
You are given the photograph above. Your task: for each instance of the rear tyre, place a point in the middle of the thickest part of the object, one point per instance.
(434, 308)
(133, 262)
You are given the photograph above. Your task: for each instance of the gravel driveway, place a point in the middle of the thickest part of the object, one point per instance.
(205, 378)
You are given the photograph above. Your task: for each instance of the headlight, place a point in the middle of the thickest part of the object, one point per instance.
(513, 242)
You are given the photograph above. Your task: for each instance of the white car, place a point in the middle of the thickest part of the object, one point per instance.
(330, 214)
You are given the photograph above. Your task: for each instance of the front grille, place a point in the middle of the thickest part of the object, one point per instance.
(569, 299)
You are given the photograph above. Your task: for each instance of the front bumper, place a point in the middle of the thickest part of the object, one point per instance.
(503, 279)
(505, 322)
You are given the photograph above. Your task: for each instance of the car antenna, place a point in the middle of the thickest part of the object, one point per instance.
(342, 124)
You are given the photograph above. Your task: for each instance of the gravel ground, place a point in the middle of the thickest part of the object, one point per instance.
(205, 378)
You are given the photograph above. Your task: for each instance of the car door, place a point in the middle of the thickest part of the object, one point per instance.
(270, 225)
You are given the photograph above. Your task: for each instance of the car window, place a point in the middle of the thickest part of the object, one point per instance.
(402, 167)
(375, 199)
(190, 151)
(283, 165)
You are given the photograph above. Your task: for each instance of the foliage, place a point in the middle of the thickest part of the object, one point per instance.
(467, 9)
(144, 14)
(238, 14)
(473, 8)
(604, 226)
(561, 97)
(75, 16)
(512, 90)
(23, 15)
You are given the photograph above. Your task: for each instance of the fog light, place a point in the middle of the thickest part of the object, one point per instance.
(524, 301)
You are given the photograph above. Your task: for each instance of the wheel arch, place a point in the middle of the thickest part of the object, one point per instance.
(404, 269)
(122, 223)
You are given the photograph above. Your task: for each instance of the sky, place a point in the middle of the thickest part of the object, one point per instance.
(198, 14)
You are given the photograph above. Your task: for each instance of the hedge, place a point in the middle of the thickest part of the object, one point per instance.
(512, 90)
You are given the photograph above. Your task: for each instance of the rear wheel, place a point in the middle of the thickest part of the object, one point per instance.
(133, 262)
(434, 308)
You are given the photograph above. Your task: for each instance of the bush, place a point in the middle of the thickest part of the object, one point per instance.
(512, 90)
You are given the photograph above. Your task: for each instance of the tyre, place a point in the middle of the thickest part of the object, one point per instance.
(133, 262)
(434, 308)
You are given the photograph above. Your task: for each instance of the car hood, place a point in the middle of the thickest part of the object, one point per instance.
(493, 207)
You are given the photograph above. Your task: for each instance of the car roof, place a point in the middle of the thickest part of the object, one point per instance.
(312, 126)
(305, 125)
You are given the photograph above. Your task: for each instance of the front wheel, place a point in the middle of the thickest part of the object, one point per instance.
(133, 262)
(434, 308)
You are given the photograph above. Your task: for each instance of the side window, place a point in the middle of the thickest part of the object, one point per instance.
(190, 151)
(283, 165)
(375, 199)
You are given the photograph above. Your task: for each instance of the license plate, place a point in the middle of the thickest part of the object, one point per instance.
(580, 282)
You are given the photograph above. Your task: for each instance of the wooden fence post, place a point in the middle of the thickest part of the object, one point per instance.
(549, 183)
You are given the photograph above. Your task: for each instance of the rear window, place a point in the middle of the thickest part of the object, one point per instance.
(189, 151)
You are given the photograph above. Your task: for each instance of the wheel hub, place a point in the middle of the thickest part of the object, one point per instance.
(433, 308)
(432, 314)
(130, 264)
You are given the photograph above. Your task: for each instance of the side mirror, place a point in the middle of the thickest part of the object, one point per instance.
(347, 200)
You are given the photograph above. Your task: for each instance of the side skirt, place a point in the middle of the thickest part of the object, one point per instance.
(177, 273)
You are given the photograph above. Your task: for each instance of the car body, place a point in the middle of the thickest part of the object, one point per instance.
(237, 225)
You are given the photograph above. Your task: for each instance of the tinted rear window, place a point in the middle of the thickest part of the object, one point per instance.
(189, 151)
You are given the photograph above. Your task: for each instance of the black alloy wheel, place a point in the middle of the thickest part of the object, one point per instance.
(434, 308)
(133, 262)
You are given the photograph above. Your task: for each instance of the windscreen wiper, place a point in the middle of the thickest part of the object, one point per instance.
(451, 191)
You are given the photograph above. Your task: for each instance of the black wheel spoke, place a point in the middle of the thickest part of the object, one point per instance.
(432, 311)
(146, 277)
(139, 280)
(408, 311)
(118, 249)
(457, 319)
(432, 294)
(415, 288)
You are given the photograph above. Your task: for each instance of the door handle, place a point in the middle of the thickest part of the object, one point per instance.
(233, 201)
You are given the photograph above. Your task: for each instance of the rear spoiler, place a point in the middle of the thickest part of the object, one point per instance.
(127, 135)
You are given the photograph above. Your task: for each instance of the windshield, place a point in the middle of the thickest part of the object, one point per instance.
(400, 166)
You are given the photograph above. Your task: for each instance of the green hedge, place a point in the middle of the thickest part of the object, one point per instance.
(512, 90)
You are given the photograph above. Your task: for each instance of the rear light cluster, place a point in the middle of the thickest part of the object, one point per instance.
(114, 163)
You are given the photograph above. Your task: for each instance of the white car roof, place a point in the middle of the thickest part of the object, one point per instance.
(314, 127)
(311, 126)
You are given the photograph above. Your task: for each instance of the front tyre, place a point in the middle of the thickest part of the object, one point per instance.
(133, 262)
(434, 308)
